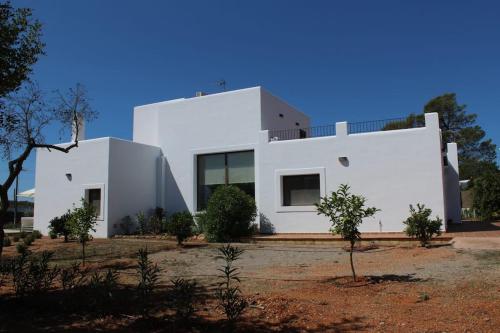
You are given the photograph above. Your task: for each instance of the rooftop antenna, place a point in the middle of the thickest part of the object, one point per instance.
(222, 83)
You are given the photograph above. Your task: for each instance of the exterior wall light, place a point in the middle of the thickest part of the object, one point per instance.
(344, 160)
(69, 176)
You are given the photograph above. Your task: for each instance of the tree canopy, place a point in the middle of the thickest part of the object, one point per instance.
(476, 154)
(20, 46)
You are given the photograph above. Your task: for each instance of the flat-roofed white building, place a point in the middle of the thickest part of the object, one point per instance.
(183, 149)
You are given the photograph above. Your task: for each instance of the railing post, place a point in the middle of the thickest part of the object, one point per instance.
(341, 128)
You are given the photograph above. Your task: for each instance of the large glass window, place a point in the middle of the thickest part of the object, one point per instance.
(301, 190)
(236, 168)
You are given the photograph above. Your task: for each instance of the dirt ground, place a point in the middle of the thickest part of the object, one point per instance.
(307, 288)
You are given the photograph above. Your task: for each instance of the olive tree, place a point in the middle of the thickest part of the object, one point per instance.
(23, 122)
(346, 212)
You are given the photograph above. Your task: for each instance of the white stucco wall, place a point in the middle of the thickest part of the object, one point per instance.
(55, 193)
(451, 185)
(133, 186)
(229, 121)
(125, 171)
(392, 169)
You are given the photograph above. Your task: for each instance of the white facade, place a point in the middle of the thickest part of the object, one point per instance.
(392, 169)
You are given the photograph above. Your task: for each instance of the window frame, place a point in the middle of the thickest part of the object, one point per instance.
(279, 194)
(99, 186)
(226, 171)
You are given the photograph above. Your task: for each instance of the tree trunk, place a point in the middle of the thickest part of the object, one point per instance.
(352, 265)
(4, 205)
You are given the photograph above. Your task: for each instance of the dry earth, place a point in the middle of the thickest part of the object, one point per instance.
(301, 289)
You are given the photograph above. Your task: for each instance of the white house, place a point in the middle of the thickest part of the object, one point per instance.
(182, 149)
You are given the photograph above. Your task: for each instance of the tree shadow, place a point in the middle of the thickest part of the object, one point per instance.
(473, 226)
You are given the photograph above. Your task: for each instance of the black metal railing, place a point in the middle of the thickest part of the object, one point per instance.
(384, 125)
(301, 133)
(352, 128)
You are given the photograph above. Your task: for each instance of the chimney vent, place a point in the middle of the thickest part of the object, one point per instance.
(200, 93)
(81, 130)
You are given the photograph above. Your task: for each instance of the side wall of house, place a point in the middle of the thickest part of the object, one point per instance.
(392, 169)
(61, 179)
(452, 185)
(277, 114)
(133, 186)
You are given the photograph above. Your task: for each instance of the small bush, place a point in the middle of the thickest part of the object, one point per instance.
(32, 274)
(155, 225)
(148, 273)
(15, 238)
(23, 234)
(60, 226)
(102, 289)
(52, 235)
(126, 225)
(420, 226)
(142, 224)
(28, 240)
(229, 215)
(228, 293)
(184, 292)
(72, 277)
(180, 225)
(36, 234)
(6, 242)
(21, 248)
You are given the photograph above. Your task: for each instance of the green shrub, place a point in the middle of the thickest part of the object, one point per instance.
(6, 242)
(183, 295)
(23, 234)
(148, 277)
(28, 240)
(60, 226)
(21, 248)
(82, 221)
(36, 234)
(52, 235)
(15, 238)
(155, 225)
(420, 226)
(229, 215)
(72, 277)
(486, 195)
(126, 225)
(32, 273)
(142, 224)
(228, 293)
(180, 225)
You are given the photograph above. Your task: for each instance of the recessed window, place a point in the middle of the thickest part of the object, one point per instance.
(93, 197)
(301, 190)
(235, 168)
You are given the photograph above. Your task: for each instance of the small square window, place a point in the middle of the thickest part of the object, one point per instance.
(301, 190)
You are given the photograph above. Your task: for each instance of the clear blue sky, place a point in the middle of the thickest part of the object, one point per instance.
(335, 60)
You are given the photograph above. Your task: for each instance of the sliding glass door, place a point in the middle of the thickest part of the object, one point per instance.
(234, 168)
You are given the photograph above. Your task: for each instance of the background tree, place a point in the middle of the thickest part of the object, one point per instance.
(346, 212)
(20, 47)
(486, 195)
(82, 221)
(476, 155)
(22, 123)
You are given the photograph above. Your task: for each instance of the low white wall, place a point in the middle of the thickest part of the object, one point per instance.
(56, 193)
(392, 169)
